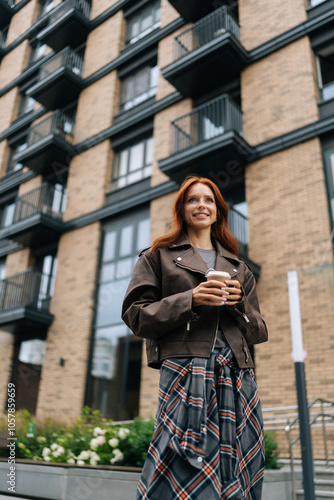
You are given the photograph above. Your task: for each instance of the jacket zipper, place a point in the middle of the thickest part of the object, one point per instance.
(243, 315)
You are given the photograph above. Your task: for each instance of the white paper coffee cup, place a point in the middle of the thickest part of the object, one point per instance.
(218, 275)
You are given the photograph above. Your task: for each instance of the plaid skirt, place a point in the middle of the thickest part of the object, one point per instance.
(208, 441)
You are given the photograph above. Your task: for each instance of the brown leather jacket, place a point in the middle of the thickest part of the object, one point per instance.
(158, 306)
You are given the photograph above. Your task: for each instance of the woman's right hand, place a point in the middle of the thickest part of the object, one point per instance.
(210, 293)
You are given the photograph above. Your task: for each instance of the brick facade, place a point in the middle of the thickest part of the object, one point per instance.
(288, 212)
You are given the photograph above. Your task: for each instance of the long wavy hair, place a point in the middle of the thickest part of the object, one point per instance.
(219, 230)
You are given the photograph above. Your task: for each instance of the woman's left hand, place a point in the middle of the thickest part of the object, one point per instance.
(233, 292)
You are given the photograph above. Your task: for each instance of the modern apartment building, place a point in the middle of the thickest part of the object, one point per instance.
(105, 107)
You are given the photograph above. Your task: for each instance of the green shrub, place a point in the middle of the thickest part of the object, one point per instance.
(271, 452)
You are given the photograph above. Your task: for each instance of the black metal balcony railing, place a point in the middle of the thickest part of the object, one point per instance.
(81, 6)
(57, 123)
(2, 40)
(205, 31)
(238, 224)
(24, 289)
(66, 58)
(10, 3)
(206, 122)
(46, 199)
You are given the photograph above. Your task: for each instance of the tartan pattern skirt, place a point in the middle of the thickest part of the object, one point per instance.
(208, 441)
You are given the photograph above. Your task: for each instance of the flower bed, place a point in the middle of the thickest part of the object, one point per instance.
(92, 440)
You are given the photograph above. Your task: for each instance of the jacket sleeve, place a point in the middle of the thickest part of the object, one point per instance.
(247, 314)
(145, 311)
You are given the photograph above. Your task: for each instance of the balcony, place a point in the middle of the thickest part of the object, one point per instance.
(67, 24)
(208, 141)
(206, 55)
(35, 217)
(192, 10)
(6, 12)
(24, 306)
(59, 80)
(49, 144)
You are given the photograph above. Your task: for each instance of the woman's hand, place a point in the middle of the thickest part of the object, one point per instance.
(234, 292)
(215, 293)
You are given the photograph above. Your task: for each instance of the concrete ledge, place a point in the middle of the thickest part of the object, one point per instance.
(68, 482)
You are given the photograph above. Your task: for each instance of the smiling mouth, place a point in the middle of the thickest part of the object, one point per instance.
(201, 215)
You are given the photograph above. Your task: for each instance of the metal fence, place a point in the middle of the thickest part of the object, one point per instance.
(81, 6)
(39, 201)
(238, 224)
(23, 289)
(66, 58)
(57, 123)
(205, 31)
(210, 120)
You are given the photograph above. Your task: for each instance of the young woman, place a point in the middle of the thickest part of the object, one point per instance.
(208, 439)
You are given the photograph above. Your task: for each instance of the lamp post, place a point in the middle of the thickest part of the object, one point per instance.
(298, 357)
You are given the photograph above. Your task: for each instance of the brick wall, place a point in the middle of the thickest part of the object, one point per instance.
(162, 136)
(288, 229)
(279, 93)
(262, 20)
(62, 387)
(88, 181)
(6, 356)
(104, 44)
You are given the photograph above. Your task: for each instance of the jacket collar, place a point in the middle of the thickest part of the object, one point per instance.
(223, 252)
(187, 257)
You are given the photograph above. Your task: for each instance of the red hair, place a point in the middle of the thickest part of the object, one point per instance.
(220, 229)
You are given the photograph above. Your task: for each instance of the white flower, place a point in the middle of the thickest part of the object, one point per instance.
(60, 450)
(123, 432)
(93, 444)
(100, 440)
(95, 456)
(118, 456)
(47, 459)
(84, 455)
(98, 431)
(45, 452)
(113, 442)
(54, 446)
(71, 461)
(80, 462)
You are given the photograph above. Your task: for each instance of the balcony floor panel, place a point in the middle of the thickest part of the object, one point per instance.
(52, 152)
(56, 90)
(213, 158)
(70, 29)
(192, 10)
(220, 61)
(34, 231)
(26, 320)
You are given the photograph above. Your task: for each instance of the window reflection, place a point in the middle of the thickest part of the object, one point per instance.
(116, 363)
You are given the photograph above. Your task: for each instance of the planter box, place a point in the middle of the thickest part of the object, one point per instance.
(70, 482)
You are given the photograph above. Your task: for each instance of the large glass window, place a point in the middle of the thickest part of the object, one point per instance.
(139, 86)
(48, 268)
(133, 163)
(116, 365)
(143, 21)
(8, 212)
(325, 66)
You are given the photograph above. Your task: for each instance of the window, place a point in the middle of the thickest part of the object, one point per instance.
(313, 3)
(8, 215)
(133, 164)
(38, 51)
(27, 104)
(139, 87)
(325, 67)
(329, 159)
(143, 22)
(16, 148)
(116, 365)
(48, 268)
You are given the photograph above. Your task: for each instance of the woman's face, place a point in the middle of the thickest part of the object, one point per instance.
(199, 209)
